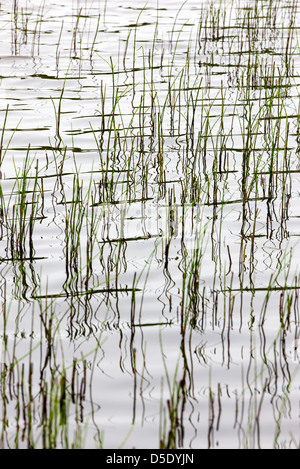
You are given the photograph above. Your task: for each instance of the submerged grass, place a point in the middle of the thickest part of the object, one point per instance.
(166, 204)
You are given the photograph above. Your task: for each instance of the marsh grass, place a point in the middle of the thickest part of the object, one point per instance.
(166, 206)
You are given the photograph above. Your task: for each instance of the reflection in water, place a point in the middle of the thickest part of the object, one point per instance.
(149, 284)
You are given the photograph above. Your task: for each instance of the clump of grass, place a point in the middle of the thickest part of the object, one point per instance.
(185, 134)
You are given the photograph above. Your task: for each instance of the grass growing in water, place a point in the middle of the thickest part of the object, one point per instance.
(160, 205)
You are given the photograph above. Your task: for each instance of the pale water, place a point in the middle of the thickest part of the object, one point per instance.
(149, 235)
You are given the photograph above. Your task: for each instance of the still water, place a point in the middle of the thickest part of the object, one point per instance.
(149, 236)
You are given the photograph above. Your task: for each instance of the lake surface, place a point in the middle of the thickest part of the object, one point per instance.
(149, 224)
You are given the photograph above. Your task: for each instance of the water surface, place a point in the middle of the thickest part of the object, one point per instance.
(149, 224)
